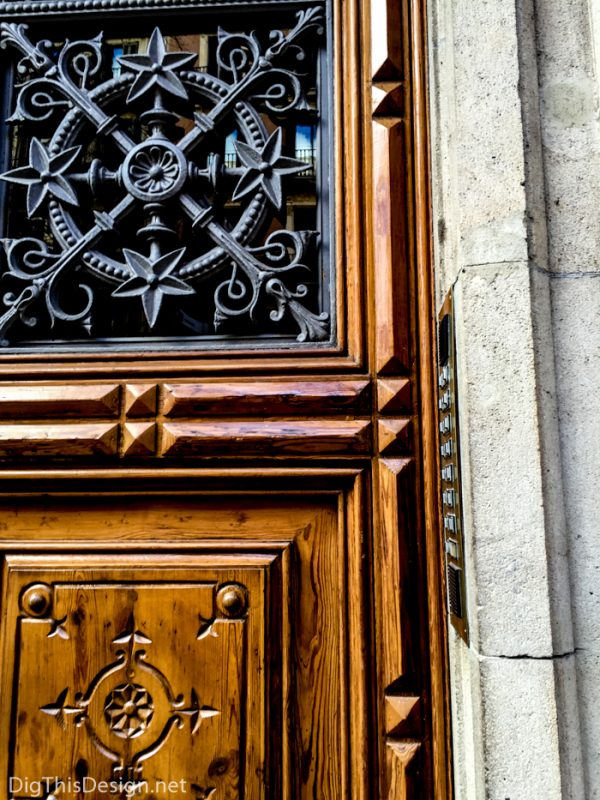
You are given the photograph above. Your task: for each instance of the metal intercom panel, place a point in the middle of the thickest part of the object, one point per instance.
(450, 468)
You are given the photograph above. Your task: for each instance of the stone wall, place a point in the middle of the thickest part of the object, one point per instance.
(516, 193)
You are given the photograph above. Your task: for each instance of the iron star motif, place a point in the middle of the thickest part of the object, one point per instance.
(152, 280)
(85, 202)
(157, 69)
(45, 174)
(265, 168)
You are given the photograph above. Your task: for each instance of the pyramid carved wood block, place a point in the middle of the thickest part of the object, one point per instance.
(394, 395)
(273, 397)
(388, 99)
(394, 436)
(141, 399)
(402, 715)
(267, 438)
(139, 439)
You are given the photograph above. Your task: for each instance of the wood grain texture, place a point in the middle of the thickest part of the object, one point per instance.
(58, 440)
(349, 167)
(266, 397)
(286, 725)
(391, 293)
(398, 653)
(28, 401)
(129, 685)
(351, 572)
(324, 437)
(401, 765)
(388, 173)
(402, 345)
(440, 752)
(350, 579)
(145, 365)
(387, 61)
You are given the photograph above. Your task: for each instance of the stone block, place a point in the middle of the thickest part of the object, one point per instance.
(522, 732)
(570, 135)
(507, 567)
(576, 314)
(588, 670)
(479, 172)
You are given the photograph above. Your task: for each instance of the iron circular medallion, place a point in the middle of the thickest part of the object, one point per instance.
(155, 170)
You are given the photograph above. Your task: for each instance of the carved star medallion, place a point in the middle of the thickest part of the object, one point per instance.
(129, 710)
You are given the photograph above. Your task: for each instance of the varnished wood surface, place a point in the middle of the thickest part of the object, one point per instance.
(248, 661)
(190, 399)
(136, 365)
(394, 395)
(394, 480)
(414, 759)
(191, 419)
(222, 398)
(291, 437)
(63, 440)
(58, 400)
(98, 603)
(439, 698)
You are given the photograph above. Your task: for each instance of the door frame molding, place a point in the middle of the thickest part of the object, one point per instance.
(440, 681)
(399, 246)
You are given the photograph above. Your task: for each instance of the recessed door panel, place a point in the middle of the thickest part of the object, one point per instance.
(209, 667)
(143, 673)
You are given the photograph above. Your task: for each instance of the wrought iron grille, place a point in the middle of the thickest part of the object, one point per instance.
(156, 191)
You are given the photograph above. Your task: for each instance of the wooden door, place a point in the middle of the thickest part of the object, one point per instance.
(218, 525)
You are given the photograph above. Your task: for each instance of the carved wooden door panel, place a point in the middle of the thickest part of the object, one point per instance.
(213, 664)
(218, 528)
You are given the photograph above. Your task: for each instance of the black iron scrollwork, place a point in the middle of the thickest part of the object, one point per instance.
(170, 181)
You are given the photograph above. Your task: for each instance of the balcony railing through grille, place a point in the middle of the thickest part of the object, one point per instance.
(230, 161)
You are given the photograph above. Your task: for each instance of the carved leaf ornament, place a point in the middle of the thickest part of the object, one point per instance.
(167, 176)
